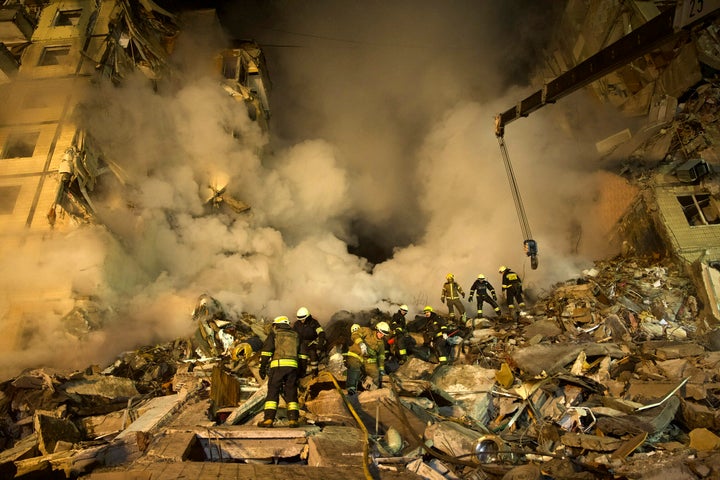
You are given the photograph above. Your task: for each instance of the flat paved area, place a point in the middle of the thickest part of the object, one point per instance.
(239, 471)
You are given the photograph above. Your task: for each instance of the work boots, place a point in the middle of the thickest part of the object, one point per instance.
(293, 416)
(267, 423)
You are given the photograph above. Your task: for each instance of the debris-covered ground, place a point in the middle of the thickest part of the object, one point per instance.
(608, 375)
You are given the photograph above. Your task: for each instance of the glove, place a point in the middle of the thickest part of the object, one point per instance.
(444, 336)
(363, 348)
(442, 299)
(463, 294)
(263, 371)
(470, 298)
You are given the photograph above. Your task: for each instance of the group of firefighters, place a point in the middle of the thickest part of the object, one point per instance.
(290, 350)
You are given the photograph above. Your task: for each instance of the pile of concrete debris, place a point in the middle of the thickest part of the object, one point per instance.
(609, 375)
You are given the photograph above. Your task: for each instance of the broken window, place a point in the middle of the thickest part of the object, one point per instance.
(8, 197)
(67, 18)
(699, 209)
(20, 145)
(54, 55)
(233, 68)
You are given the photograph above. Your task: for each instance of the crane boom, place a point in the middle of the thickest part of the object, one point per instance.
(671, 24)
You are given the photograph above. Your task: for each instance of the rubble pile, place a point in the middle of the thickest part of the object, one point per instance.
(608, 375)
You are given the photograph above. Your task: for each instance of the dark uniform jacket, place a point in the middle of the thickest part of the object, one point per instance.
(435, 327)
(398, 323)
(310, 332)
(511, 279)
(482, 287)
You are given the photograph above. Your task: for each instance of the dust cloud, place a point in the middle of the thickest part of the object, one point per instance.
(381, 143)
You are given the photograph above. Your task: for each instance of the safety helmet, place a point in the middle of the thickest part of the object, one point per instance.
(383, 328)
(481, 276)
(449, 276)
(428, 309)
(302, 313)
(354, 328)
(404, 307)
(281, 319)
(241, 351)
(502, 269)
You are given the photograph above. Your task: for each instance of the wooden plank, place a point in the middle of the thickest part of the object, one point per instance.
(629, 446)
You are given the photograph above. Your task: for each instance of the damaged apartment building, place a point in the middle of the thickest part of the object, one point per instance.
(671, 158)
(51, 169)
(609, 375)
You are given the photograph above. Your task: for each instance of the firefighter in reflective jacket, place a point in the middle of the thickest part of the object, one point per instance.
(312, 341)
(483, 292)
(450, 296)
(401, 340)
(512, 286)
(366, 355)
(436, 333)
(279, 362)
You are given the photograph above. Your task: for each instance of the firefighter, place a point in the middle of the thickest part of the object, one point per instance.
(312, 341)
(366, 355)
(450, 296)
(512, 287)
(436, 334)
(483, 292)
(401, 340)
(279, 362)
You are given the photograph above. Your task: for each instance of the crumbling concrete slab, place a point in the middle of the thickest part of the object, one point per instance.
(336, 446)
(52, 430)
(552, 358)
(328, 407)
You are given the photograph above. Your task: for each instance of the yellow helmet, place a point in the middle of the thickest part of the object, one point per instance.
(481, 276)
(281, 320)
(449, 276)
(502, 269)
(428, 309)
(383, 328)
(242, 351)
(354, 328)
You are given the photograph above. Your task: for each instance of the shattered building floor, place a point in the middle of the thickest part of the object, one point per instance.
(612, 374)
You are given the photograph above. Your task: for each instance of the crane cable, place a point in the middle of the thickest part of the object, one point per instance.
(524, 225)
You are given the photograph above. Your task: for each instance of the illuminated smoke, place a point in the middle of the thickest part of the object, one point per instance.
(382, 134)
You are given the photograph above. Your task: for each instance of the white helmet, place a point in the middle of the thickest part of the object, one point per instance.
(302, 313)
(383, 328)
(281, 320)
(404, 307)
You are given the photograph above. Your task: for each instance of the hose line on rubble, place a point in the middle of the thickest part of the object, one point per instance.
(366, 435)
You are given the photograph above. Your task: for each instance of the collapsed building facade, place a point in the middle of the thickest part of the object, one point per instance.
(609, 375)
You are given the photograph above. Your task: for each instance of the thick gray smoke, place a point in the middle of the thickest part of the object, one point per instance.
(382, 132)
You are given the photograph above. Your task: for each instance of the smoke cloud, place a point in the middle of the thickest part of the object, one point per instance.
(381, 143)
